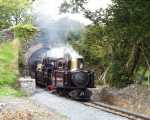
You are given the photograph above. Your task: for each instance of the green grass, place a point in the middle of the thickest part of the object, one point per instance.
(10, 91)
(8, 68)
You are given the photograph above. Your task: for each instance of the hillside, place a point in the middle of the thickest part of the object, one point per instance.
(8, 68)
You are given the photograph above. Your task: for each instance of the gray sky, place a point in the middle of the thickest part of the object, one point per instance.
(51, 8)
(95, 4)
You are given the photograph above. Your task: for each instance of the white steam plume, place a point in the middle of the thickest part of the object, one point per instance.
(54, 28)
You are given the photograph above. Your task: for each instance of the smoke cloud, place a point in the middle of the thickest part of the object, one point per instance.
(54, 28)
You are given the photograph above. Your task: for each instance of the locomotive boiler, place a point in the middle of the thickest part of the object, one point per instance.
(66, 76)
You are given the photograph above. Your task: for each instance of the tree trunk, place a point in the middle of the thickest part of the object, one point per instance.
(133, 60)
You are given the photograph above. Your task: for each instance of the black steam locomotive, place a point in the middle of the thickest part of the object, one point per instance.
(66, 76)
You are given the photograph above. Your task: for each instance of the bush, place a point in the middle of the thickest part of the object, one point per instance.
(9, 68)
(24, 32)
(8, 63)
(9, 91)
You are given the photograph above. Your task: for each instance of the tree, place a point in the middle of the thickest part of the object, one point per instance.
(90, 43)
(13, 12)
(127, 25)
(25, 33)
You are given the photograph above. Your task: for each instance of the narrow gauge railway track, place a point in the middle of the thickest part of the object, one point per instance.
(116, 111)
(112, 109)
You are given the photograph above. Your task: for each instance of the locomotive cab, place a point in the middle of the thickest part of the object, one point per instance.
(77, 64)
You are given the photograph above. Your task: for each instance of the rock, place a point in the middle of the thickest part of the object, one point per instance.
(27, 85)
(2, 105)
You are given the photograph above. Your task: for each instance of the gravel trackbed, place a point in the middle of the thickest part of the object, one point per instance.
(72, 109)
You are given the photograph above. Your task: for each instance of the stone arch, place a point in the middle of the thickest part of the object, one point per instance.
(38, 55)
(31, 50)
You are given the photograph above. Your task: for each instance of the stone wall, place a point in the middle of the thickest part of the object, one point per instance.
(135, 98)
(27, 85)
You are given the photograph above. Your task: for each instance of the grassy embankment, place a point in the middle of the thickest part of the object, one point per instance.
(9, 69)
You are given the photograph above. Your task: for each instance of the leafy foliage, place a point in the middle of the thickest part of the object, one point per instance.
(126, 36)
(13, 12)
(91, 44)
(24, 32)
(128, 29)
(14, 19)
(7, 64)
(9, 69)
(73, 6)
(10, 91)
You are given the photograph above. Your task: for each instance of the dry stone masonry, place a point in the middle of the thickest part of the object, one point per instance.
(27, 85)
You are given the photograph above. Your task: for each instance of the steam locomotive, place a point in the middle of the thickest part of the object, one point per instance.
(66, 76)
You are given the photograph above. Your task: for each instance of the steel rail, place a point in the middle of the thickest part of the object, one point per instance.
(117, 111)
(114, 110)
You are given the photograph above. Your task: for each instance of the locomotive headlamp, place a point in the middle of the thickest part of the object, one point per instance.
(39, 67)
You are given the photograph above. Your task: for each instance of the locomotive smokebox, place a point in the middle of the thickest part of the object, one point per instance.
(76, 64)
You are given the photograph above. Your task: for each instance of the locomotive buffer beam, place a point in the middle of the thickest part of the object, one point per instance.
(80, 94)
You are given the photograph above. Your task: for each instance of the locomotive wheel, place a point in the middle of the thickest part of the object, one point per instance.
(62, 92)
(36, 82)
(47, 83)
(80, 94)
(39, 83)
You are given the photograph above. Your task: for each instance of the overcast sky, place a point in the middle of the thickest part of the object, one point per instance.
(95, 4)
(51, 8)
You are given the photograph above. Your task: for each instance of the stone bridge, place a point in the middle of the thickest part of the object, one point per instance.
(32, 50)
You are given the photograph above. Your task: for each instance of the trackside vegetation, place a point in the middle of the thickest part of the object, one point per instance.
(9, 68)
(15, 21)
(117, 42)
